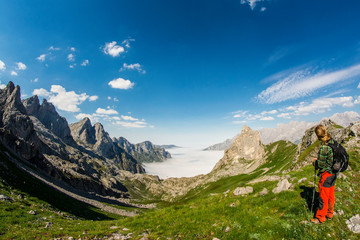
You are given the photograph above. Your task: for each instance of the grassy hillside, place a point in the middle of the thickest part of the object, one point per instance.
(207, 212)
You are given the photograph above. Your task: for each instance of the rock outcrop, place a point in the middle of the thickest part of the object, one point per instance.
(16, 129)
(245, 154)
(143, 152)
(47, 115)
(95, 138)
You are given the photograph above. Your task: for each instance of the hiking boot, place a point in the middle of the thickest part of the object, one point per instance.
(315, 221)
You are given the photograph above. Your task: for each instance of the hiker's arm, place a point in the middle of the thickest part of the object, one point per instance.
(315, 163)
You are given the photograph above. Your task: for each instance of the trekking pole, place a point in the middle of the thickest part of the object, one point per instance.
(313, 198)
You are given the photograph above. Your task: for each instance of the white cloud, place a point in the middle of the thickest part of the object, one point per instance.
(357, 101)
(41, 92)
(106, 111)
(63, 100)
(129, 118)
(320, 105)
(284, 115)
(20, 66)
(2, 85)
(121, 83)
(35, 80)
(71, 57)
(13, 73)
(112, 49)
(85, 63)
(52, 48)
(358, 86)
(252, 3)
(93, 98)
(137, 124)
(303, 83)
(135, 66)
(41, 58)
(240, 114)
(72, 65)
(126, 42)
(267, 119)
(72, 49)
(2, 66)
(93, 118)
(269, 112)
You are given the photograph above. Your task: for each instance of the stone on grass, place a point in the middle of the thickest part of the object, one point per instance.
(32, 212)
(340, 212)
(4, 198)
(264, 192)
(227, 229)
(302, 180)
(283, 185)
(354, 224)
(342, 176)
(243, 191)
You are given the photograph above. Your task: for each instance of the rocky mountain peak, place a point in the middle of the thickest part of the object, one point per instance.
(49, 117)
(48, 107)
(245, 153)
(32, 105)
(12, 98)
(327, 122)
(10, 88)
(17, 130)
(83, 131)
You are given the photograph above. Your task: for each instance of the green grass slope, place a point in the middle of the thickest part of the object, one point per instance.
(207, 212)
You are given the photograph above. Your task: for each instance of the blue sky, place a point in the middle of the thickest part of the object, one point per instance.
(184, 72)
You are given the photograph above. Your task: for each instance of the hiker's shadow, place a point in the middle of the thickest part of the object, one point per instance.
(308, 194)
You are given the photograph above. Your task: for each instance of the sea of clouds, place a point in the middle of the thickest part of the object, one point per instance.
(185, 162)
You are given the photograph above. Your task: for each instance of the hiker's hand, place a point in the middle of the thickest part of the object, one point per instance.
(313, 161)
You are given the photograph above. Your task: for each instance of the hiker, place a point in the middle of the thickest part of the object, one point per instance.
(324, 163)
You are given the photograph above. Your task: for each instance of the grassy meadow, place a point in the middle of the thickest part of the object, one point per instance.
(207, 212)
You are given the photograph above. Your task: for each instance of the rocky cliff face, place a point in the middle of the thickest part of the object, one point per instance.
(16, 129)
(143, 152)
(83, 132)
(47, 115)
(95, 138)
(245, 154)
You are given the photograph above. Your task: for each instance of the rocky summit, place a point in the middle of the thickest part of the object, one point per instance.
(47, 115)
(144, 151)
(245, 154)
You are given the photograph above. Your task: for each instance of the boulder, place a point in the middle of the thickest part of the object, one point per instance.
(282, 185)
(243, 191)
(354, 224)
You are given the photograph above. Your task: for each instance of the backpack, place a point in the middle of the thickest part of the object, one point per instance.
(341, 158)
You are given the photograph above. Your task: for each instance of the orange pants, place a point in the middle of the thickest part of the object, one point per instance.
(327, 196)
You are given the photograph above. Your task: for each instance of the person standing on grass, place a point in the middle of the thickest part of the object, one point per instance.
(324, 163)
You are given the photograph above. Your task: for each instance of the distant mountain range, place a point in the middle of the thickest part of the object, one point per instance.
(293, 131)
(80, 154)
